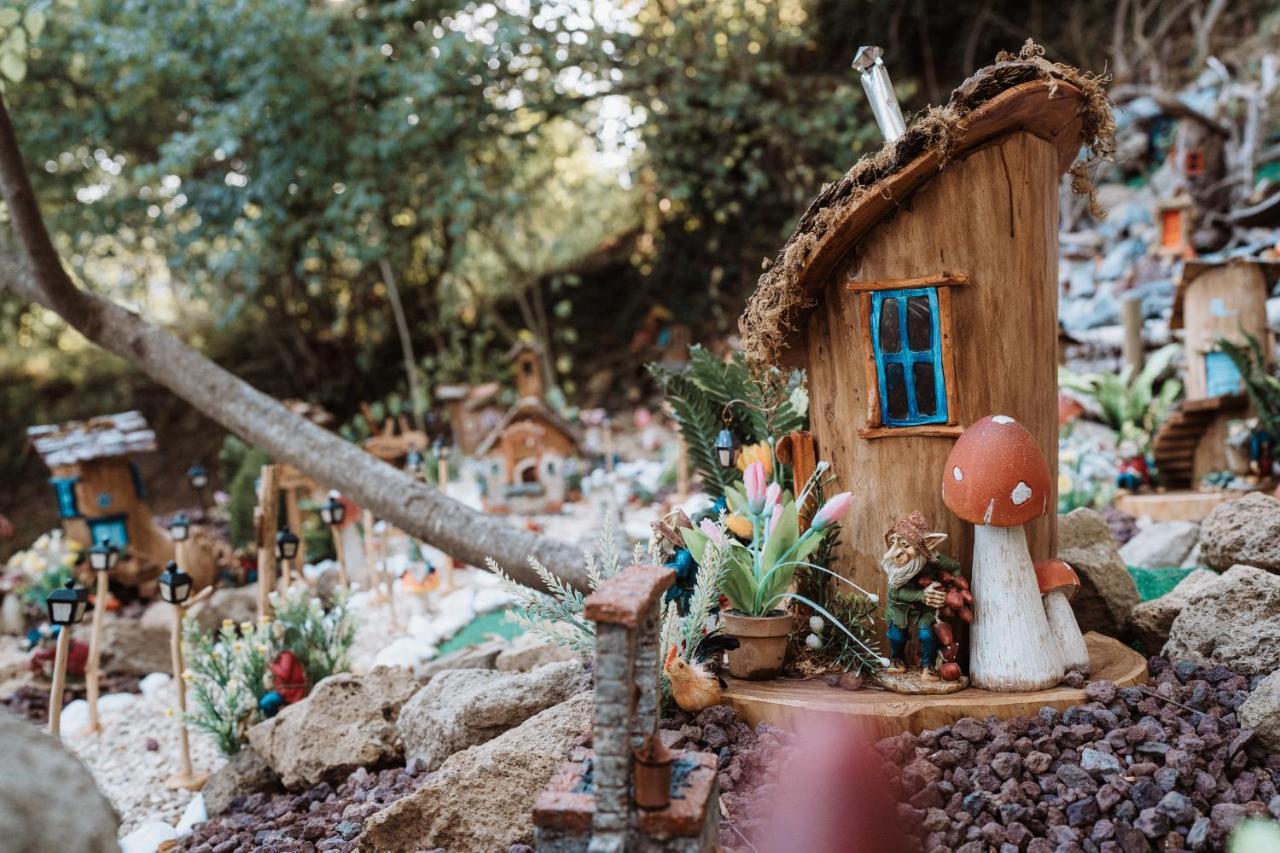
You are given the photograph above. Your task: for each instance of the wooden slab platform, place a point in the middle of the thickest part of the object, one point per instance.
(785, 702)
(1175, 506)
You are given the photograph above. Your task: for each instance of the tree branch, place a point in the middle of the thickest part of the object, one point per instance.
(34, 272)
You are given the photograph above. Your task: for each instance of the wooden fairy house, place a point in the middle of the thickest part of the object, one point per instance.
(98, 486)
(472, 412)
(1214, 300)
(920, 291)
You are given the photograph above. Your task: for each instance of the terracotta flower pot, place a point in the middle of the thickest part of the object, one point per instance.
(762, 643)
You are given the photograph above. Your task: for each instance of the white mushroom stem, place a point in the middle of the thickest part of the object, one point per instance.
(1012, 646)
(1066, 632)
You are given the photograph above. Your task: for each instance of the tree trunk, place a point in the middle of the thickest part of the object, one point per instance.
(34, 272)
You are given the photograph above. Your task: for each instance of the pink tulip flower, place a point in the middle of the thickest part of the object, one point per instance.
(753, 479)
(774, 517)
(771, 496)
(713, 532)
(832, 511)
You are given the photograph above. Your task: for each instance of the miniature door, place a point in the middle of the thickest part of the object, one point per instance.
(1222, 377)
(113, 528)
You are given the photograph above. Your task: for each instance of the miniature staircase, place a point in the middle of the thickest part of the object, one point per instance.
(1179, 436)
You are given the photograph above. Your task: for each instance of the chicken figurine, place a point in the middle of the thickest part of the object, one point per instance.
(692, 686)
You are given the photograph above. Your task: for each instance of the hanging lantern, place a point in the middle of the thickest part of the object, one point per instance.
(103, 556)
(333, 511)
(180, 528)
(726, 448)
(198, 477)
(286, 544)
(67, 605)
(175, 584)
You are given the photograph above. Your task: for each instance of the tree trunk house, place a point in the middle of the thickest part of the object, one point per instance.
(920, 293)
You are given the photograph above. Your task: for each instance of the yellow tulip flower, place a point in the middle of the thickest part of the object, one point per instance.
(761, 453)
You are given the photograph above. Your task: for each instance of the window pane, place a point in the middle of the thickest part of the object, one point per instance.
(890, 335)
(895, 389)
(926, 393)
(919, 324)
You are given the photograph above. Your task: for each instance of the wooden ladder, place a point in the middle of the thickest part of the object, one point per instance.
(1179, 436)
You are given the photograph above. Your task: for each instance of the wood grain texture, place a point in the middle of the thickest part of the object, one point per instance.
(787, 703)
(994, 215)
(1224, 301)
(1173, 506)
(935, 280)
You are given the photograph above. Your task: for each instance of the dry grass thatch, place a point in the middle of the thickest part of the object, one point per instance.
(781, 298)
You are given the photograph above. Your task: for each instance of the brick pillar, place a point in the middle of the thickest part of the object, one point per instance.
(625, 610)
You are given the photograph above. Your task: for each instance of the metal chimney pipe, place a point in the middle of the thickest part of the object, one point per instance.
(875, 82)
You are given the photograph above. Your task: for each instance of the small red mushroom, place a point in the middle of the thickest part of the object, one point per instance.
(1059, 584)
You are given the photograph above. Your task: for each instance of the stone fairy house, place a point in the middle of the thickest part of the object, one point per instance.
(920, 293)
(525, 459)
(590, 804)
(98, 486)
(1214, 300)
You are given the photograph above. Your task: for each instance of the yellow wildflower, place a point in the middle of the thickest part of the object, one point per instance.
(761, 453)
(227, 624)
(168, 712)
(246, 627)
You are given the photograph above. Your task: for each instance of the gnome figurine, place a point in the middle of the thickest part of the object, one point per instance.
(913, 565)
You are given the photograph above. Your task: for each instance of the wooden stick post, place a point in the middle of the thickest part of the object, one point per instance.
(1133, 347)
(387, 577)
(59, 680)
(338, 551)
(94, 669)
(442, 472)
(186, 777)
(268, 510)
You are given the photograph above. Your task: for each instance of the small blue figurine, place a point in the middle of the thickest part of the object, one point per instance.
(270, 703)
(686, 569)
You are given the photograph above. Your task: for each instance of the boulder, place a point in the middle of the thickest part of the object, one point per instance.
(245, 773)
(237, 603)
(1234, 621)
(49, 800)
(527, 652)
(1152, 619)
(482, 798)
(348, 721)
(1243, 532)
(465, 707)
(480, 656)
(1261, 712)
(1107, 592)
(137, 646)
(1161, 544)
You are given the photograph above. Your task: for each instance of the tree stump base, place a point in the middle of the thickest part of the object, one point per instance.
(913, 683)
(787, 703)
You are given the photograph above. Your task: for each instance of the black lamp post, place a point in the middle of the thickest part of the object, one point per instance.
(179, 527)
(102, 559)
(103, 556)
(175, 584)
(198, 477)
(333, 512)
(286, 549)
(66, 608)
(175, 588)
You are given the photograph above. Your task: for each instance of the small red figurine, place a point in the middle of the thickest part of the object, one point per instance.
(290, 679)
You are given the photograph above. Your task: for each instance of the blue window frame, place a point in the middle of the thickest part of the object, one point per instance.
(113, 528)
(1222, 377)
(906, 340)
(65, 489)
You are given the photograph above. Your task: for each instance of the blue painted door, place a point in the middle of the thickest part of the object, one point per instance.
(1221, 375)
(906, 341)
(65, 489)
(113, 528)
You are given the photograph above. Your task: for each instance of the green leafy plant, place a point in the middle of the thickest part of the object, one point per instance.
(227, 678)
(856, 647)
(760, 408)
(320, 639)
(1262, 387)
(1128, 402)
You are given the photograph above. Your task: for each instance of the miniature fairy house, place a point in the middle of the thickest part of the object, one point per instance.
(98, 486)
(920, 292)
(471, 412)
(525, 458)
(595, 803)
(1214, 300)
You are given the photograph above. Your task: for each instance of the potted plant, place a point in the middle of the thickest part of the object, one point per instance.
(758, 573)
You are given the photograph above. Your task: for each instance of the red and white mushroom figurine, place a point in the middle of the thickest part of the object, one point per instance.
(996, 478)
(1059, 584)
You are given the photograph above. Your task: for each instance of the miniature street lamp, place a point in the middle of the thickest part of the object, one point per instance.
(66, 608)
(286, 549)
(175, 588)
(726, 448)
(413, 461)
(179, 528)
(198, 477)
(102, 559)
(333, 512)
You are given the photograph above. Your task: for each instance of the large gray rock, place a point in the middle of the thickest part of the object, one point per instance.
(138, 646)
(246, 773)
(1107, 592)
(48, 799)
(1234, 622)
(527, 652)
(1161, 545)
(236, 603)
(482, 799)
(1261, 711)
(347, 721)
(1243, 532)
(465, 707)
(480, 656)
(1153, 619)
